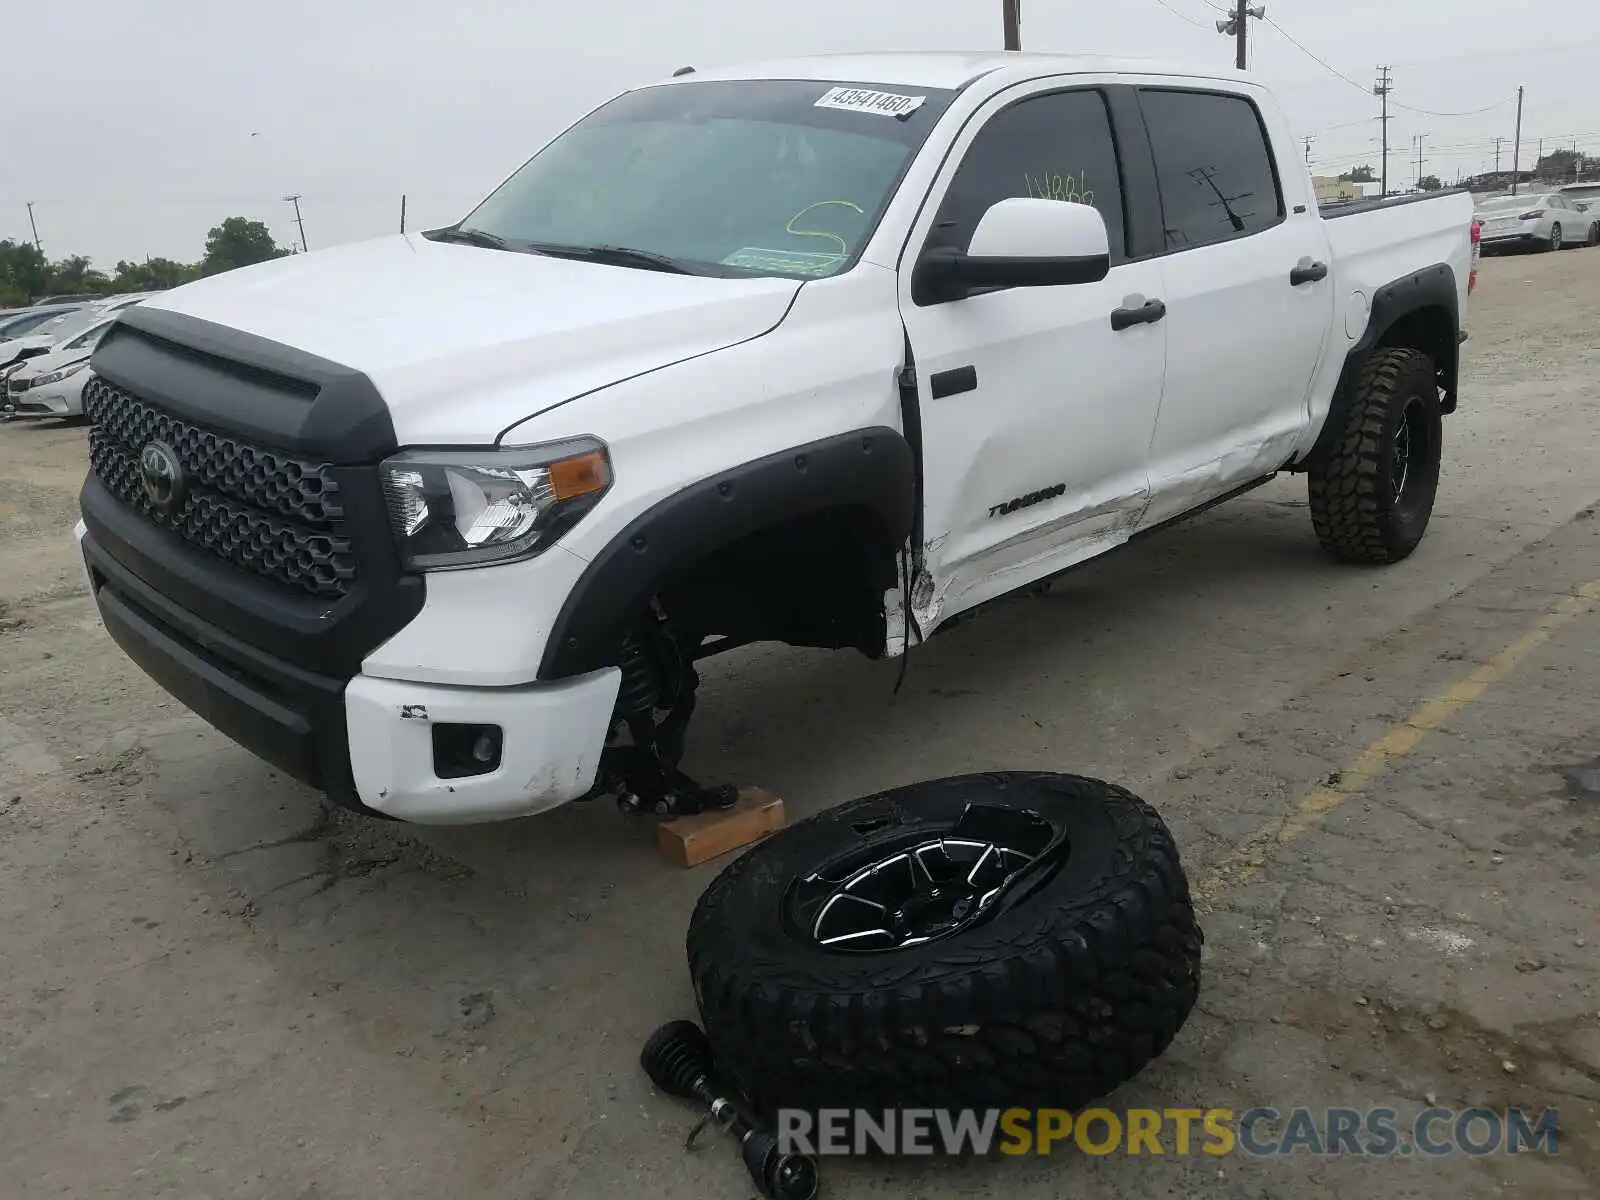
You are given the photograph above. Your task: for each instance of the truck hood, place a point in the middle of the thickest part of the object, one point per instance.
(463, 342)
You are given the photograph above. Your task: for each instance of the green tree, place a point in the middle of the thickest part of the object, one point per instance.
(72, 275)
(238, 242)
(24, 273)
(1429, 183)
(1559, 164)
(152, 275)
(1361, 174)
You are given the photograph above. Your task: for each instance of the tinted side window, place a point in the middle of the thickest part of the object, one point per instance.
(1212, 165)
(1054, 147)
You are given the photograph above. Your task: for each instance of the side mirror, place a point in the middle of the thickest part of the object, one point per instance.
(1022, 242)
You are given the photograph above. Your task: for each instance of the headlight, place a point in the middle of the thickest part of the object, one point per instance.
(462, 509)
(58, 376)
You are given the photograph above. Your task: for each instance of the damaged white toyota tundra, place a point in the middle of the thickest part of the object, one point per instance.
(826, 352)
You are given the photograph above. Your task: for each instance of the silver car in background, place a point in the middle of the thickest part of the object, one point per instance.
(1540, 221)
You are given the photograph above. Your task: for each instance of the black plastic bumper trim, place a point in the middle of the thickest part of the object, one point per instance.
(289, 717)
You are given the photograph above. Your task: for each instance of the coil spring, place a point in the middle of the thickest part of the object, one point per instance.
(636, 694)
(676, 1057)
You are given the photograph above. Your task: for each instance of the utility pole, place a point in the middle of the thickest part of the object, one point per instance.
(1381, 89)
(1417, 140)
(1236, 27)
(1516, 145)
(1308, 150)
(295, 200)
(34, 226)
(1497, 143)
(1011, 17)
(402, 212)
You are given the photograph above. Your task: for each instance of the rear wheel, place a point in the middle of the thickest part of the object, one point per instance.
(1555, 236)
(1372, 497)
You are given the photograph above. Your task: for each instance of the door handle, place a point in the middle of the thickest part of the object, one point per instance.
(1147, 313)
(1310, 273)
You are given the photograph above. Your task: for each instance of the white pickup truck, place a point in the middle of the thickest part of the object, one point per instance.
(826, 352)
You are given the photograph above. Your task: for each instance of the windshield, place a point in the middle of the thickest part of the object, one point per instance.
(66, 326)
(1506, 203)
(27, 324)
(763, 177)
(88, 338)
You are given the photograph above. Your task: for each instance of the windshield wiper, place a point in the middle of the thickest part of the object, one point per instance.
(617, 256)
(468, 237)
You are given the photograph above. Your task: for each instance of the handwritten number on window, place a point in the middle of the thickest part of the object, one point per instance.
(1048, 185)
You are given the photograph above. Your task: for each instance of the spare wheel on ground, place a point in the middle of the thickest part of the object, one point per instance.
(980, 941)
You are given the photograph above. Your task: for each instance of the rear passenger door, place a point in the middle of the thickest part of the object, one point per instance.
(1248, 292)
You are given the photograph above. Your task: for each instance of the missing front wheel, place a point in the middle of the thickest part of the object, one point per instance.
(655, 699)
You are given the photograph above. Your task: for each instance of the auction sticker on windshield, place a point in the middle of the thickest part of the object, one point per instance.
(788, 262)
(886, 104)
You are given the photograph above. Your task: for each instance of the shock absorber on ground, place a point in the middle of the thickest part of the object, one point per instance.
(678, 1060)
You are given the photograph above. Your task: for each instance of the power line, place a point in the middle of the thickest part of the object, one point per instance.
(1474, 112)
(1183, 16)
(1323, 63)
(1329, 67)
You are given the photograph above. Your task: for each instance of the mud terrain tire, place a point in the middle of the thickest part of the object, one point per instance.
(1081, 972)
(1372, 497)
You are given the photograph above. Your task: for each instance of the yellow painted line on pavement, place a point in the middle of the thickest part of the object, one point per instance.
(1246, 860)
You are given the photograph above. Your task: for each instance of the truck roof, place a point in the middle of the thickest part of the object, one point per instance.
(950, 68)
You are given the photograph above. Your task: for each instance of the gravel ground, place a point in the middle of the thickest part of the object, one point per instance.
(1384, 782)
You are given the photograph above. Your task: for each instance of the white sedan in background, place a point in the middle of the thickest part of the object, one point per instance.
(1541, 221)
(51, 384)
(47, 335)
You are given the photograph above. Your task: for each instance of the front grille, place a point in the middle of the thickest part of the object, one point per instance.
(270, 513)
(18, 385)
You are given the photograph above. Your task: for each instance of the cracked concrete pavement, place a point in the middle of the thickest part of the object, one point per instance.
(214, 988)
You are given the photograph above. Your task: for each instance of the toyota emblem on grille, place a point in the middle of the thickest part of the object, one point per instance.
(161, 476)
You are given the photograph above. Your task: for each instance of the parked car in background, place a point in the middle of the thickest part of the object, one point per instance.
(1584, 193)
(1542, 221)
(24, 320)
(51, 384)
(63, 324)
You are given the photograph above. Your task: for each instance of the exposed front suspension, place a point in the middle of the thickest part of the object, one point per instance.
(658, 677)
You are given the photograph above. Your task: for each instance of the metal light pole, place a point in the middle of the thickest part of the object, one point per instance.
(1516, 146)
(295, 200)
(1011, 17)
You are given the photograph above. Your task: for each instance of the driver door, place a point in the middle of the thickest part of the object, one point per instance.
(1037, 409)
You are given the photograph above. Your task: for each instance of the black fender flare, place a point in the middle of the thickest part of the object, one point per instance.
(1431, 287)
(872, 468)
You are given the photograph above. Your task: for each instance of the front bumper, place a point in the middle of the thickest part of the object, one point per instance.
(365, 742)
(43, 402)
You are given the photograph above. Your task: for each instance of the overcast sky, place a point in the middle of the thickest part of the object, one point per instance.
(134, 126)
